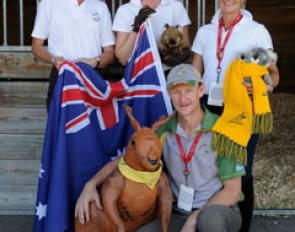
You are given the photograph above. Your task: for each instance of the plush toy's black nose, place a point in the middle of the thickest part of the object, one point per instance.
(152, 162)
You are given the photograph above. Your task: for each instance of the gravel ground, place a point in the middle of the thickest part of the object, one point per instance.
(274, 158)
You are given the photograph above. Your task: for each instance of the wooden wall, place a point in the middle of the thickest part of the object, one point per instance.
(22, 123)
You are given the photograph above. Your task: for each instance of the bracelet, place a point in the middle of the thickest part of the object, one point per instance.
(97, 61)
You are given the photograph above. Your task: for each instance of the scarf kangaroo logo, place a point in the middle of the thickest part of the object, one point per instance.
(238, 119)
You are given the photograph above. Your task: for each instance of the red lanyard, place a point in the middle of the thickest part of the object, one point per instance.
(187, 159)
(220, 48)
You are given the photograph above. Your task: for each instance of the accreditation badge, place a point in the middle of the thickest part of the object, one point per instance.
(215, 97)
(185, 198)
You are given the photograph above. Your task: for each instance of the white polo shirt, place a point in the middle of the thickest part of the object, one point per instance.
(245, 35)
(74, 31)
(168, 11)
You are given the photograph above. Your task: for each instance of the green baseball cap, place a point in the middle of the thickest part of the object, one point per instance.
(183, 74)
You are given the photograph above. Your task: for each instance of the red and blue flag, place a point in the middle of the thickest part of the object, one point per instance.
(87, 127)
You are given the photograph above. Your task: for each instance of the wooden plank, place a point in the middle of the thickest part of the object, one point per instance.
(22, 120)
(13, 142)
(22, 65)
(20, 153)
(23, 94)
(19, 172)
(15, 197)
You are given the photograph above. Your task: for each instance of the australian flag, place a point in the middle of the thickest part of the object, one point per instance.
(87, 127)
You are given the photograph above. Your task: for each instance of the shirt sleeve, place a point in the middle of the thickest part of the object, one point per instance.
(183, 18)
(197, 44)
(107, 35)
(123, 20)
(263, 38)
(41, 26)
(228, 168)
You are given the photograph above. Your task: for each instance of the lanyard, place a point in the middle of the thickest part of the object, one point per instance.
(220, 48)
(187, 159)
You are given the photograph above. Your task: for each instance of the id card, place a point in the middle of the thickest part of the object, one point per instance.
(215, 94)
(185, 198)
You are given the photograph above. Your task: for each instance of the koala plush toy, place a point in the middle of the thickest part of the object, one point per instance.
(172, 48)
(259, 56)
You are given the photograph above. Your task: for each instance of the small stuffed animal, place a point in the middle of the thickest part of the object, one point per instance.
(260, 56)
(172, 47)
(137, 191)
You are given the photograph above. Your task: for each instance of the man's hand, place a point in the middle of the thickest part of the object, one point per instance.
(141, 17)
(57, 61)
(191, 222)
(88, 195)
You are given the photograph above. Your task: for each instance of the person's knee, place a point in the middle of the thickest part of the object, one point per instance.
(211, 219)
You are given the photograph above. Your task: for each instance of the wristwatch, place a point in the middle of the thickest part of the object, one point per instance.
(97, 61)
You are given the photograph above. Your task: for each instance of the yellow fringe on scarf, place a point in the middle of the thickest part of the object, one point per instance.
(241, 116)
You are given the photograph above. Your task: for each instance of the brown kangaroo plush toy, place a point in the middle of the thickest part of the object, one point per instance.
(137, 191)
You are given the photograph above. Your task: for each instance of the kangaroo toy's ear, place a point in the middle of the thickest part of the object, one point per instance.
(133, 121)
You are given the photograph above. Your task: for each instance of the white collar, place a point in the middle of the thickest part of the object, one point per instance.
(246, 16)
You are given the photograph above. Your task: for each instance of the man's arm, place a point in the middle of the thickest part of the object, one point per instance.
(89, 192)
(107, 57)
(41, 52)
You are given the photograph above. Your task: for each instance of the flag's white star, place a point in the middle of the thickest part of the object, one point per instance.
(40, 172)
(41, 211)
(120, 153)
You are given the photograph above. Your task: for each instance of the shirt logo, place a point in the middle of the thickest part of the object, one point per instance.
(95, 17)
(239, 168)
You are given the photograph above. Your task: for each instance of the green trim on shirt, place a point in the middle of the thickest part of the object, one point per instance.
(208, 122)
(228, 168)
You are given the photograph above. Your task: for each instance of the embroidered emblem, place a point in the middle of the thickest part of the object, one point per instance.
(238, 119)
(181, 72)
(95, 17)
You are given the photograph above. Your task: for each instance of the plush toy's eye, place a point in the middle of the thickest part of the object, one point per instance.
(255, 56)
(243, 57)
(133, 142)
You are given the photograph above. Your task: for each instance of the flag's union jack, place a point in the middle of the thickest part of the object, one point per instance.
(104, 102)
(87, 127)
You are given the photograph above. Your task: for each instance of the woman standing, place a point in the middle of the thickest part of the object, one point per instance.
(231, 30)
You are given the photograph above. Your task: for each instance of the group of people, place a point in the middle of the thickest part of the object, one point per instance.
(82, 31)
